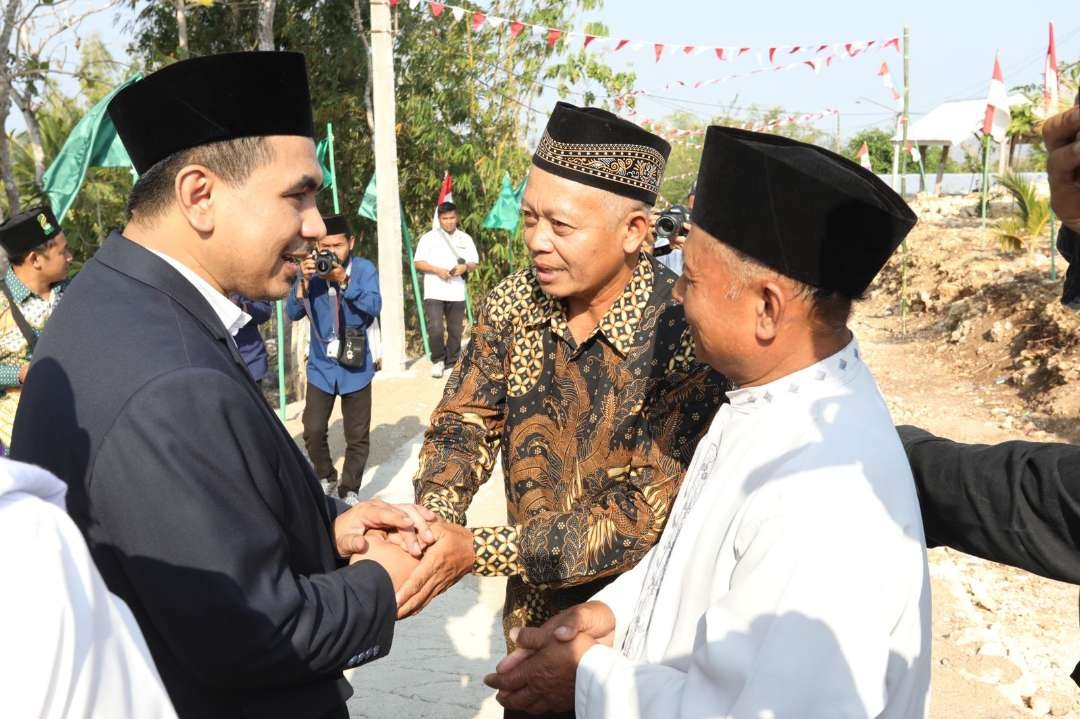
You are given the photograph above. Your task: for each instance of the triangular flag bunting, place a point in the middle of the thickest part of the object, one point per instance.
(553, 36)
(436, 8)
(516, 27)
(659, 48)
(478, 20)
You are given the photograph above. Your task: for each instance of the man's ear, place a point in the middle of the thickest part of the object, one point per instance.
(636, 231)
(194, 189)
(771, 308)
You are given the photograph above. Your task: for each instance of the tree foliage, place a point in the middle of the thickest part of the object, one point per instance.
(99, 207)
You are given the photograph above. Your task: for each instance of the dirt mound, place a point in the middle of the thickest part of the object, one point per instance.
(992, 317)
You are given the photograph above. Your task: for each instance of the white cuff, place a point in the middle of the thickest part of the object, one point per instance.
(592, 673)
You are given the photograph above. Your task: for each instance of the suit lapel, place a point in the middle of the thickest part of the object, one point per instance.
(137, 262)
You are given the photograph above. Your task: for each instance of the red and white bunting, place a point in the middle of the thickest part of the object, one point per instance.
(912, 149)
(816, 64)
(674, 135)
(481, 20)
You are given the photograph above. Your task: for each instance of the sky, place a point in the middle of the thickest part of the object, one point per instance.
(951, 57)
(952, 52)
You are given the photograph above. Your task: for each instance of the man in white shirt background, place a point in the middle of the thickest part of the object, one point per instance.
(444, 255)
(791, 578)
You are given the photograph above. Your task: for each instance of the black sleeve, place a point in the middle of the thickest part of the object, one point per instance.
(201, 538)
(1017, 503)
(1069, 246)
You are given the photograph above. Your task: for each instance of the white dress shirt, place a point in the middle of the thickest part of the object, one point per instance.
(232, 317)
(442, 250)
(68, 647)
(791, 578)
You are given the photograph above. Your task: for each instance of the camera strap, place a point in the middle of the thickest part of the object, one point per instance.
(333, 293)
(446, 239)
(25, 329)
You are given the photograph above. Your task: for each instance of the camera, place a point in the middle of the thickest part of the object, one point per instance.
(669, 224)
(324, 261)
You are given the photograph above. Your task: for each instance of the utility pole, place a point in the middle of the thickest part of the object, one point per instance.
(388, 202)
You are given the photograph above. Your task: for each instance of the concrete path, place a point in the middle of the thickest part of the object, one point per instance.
(439, 658)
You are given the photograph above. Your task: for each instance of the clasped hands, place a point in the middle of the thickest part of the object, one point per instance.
(539, 675)
(423, 554)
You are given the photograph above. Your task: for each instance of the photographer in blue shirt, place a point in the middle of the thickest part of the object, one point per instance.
(339, 293)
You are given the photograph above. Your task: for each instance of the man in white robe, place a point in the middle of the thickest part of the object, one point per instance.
(68, 647)
(791, 578)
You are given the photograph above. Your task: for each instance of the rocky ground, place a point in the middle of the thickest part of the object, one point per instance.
(984, 353)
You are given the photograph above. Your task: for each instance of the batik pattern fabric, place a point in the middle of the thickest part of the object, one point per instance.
(595, 437)
(14, 350)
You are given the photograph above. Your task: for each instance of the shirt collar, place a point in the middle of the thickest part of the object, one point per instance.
(19, 291)
(833, 371)
(620, 322)
(232, 317)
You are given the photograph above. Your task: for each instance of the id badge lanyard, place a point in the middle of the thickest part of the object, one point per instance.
(333, 344)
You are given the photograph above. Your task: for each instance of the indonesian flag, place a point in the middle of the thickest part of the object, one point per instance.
(1050, 78)
(864, 156)
(913, 150)
(997, 117)
(446, 194)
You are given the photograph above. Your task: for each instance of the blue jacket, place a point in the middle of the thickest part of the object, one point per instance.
(249, 341)
(360, 304)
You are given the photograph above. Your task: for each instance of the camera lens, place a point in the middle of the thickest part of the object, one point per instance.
(665, 226)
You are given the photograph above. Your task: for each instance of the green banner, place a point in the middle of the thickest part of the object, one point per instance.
(92, 143)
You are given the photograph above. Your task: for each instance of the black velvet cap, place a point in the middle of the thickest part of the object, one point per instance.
(211, 99)
(807, 213)
(336, 225)
(599, 149)
(27, 230)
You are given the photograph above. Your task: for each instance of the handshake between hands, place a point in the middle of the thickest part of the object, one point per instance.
(423, 554)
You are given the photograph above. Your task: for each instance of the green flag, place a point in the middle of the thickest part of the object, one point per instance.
(322, 154)
(370, 202)
(506, 213)
(92, 143)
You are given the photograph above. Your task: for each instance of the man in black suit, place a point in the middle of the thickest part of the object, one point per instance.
(197, 506)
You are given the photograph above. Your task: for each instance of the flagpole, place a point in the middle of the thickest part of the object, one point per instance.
(985, 180)
(1053, 246)
(333, 168)
(406, 238)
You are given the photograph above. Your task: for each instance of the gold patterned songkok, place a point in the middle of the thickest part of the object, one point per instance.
(599, 149)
